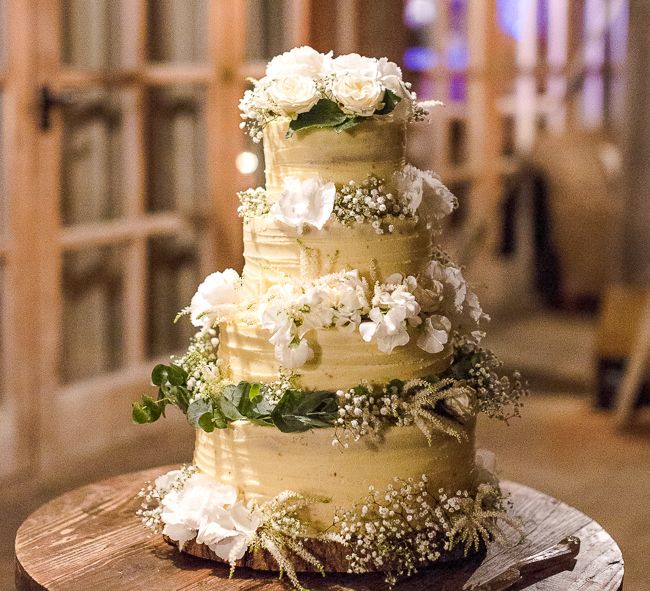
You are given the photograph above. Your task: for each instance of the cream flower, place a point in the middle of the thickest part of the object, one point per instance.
(438, 200)
(216, 299)
(208, 510)
(357, 95)
(394, 308)
(390, 75)
(408, 182)
(304, 202)
(293, 94)
(354, 64)
(302, 61)
(435, 334)
(460, 403)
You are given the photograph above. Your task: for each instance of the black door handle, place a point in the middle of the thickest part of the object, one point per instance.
(47, 100)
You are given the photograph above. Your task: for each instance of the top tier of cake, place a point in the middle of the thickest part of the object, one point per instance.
(376, 147)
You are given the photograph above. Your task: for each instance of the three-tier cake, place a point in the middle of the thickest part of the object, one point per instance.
(335, 384)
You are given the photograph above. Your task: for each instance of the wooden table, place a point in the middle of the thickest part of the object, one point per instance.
(90, 540)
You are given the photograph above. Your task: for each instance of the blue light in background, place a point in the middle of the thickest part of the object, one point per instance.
(420, 59)
(509, 17)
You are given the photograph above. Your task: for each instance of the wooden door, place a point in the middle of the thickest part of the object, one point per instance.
(119, 134)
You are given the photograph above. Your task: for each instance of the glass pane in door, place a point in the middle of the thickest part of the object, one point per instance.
(177, 30)
(93, 285)
(91, 33)
(176, 146)
(173, 276)
(266, 28)
(92, 152)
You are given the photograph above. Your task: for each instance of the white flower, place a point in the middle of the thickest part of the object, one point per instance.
(408, 183)
(354, 64)
(390, 75)
(394, 307)
(357, 95)
(304, 202)
(208, 510)
(293, 94)
(387, 329)
(302, 61)
(293, 354)
(435, 334)
(438, 201)
(216, 298)
(460, 403)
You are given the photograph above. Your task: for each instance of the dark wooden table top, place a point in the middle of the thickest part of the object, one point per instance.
(89, 539)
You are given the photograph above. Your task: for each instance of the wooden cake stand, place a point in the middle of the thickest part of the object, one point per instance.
(89, 539)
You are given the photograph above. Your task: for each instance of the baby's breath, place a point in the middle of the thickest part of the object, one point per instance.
(369, 202)
(405, 526)
(253, 203)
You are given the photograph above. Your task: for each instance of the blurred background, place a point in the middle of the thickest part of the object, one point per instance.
(121, 157)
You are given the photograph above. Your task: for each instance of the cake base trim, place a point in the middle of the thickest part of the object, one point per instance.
(395, 530)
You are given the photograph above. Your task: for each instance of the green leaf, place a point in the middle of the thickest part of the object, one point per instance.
(325, 113)
(159, 375)
(147, 410)
(254, 393)
(229, 410)
(177, 376)
(300, 411)
(349, 122)
(206, 422)
(390, 102)
(197, 409)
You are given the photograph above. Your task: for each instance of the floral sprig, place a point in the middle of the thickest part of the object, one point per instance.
(252, 203)
(405, 526)
(499, 396)
(366, 410)
(371, 203)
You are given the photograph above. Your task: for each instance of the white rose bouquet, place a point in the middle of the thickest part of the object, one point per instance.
(315, 90)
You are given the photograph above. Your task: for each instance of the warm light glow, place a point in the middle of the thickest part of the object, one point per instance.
(246, 162)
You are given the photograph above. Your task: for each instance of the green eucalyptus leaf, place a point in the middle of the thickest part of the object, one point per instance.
(300, 411)
(159, 375)
(206, 422)
(176, 375)
(254, 392)
(325, 113)
(350, 121)
(390, 102)
(139, 414)
(228, 409)
(197, 409)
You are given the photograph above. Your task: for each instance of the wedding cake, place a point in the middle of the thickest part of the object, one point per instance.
(335, 385)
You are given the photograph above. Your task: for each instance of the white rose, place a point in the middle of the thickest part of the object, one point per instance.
(293, 94)
(390, 75)
(308, 202)
(304, 61)
(354, 64)
(435, 334)
(216, 298)
(357, 95)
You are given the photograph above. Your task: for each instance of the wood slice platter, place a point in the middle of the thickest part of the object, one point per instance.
(89, 539)
(330, 554)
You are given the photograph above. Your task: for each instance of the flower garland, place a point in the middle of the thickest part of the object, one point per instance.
(393, 531)
(312, 89)
(313, 202)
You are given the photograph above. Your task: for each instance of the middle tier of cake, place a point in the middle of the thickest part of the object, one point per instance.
(274, 252)
(341, 359)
